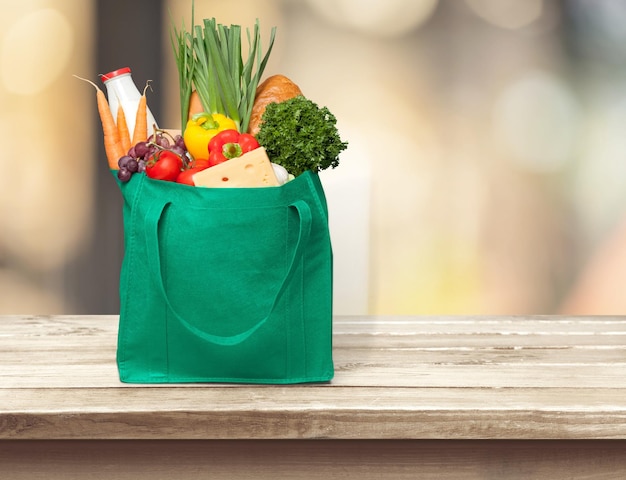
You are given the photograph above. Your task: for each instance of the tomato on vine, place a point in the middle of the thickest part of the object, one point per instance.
(164, 165)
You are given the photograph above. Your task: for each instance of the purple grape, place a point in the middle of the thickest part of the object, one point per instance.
(141, 149)
(132, 165)
(141, 166)
(178, 150)
(180, 142)
(163, 141)
(150, 152)
(123, 161)
(132, 153)
(124, 175)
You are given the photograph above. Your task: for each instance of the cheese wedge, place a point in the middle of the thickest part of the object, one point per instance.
(252, 169)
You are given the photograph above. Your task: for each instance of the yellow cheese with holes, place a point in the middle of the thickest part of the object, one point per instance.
(252, 169)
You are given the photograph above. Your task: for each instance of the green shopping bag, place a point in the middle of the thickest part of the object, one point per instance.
(225, 284)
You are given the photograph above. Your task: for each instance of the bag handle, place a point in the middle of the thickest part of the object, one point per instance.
(153, 216)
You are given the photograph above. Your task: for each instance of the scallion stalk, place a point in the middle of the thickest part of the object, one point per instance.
(210, 60)
(182, 43)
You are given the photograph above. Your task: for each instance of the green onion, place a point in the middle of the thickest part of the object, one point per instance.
(181, 44)
(210, 60)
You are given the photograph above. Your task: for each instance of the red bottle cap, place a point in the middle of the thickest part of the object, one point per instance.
(114, 73)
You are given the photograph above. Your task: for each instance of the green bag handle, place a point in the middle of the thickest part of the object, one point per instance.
(153, 216)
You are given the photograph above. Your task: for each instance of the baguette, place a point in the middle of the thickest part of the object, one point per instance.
(274, 89)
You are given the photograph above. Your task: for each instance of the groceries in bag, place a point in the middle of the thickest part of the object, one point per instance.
(226, 114)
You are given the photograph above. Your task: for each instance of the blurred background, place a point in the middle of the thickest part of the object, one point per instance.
(486, 164)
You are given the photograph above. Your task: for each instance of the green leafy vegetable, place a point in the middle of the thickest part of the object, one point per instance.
(300, 136)
(182, 44)
(209, 58)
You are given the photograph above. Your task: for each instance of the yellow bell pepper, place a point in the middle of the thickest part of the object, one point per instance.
(201, 128)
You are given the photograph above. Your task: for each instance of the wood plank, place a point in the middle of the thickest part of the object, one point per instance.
(13, 355)
(396, 377)
(477, 341)
(357, 375)
(311, 460)
(377, 341)
(453, 331)
(240, 412)
(482, 325)
(395, 325)
(388, 369)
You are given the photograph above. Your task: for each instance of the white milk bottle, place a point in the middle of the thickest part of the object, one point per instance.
(121, 90)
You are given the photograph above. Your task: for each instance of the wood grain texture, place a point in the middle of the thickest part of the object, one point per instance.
(397, 378)
(312, 460)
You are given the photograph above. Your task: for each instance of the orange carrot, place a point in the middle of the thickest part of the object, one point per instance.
(112, 145)
(140, 134)
(122, 128)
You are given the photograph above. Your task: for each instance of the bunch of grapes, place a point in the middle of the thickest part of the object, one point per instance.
(138, 155)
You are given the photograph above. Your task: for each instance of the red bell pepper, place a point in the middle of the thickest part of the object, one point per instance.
(230, 144)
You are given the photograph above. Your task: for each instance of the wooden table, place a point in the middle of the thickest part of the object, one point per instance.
(413, 397)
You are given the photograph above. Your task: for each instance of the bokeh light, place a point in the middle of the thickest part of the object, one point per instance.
(486, 159)
(511, 14)
(387, 19)
(46, 192)
(35, 50)
(537, 122)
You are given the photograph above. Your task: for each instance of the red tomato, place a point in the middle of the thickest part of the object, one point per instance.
(186, 176)
(165, 165)
(199, 162)
(225, 136)
(247, 142)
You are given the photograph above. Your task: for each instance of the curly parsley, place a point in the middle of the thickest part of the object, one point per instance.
(300, 136)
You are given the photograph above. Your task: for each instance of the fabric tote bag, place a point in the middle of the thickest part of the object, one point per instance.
(225, 284)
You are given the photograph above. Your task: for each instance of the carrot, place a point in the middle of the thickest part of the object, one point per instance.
(122, 129)
(140, 134)
(112, 144)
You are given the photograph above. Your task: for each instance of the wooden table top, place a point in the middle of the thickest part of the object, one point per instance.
(458, 378)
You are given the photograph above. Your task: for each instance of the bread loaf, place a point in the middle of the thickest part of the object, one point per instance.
(276, 88)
